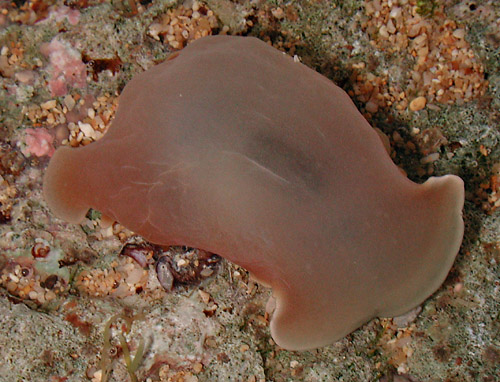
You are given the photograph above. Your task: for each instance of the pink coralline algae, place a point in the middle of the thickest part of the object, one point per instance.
(39, 142)
(66, 67)
(64, 12)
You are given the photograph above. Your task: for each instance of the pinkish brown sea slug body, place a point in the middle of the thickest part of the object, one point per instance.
(232, 147)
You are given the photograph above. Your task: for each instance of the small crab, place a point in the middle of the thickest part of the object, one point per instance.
(175, 264)
(183, 265)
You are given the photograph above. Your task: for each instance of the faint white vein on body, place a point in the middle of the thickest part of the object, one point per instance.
(258, 165)
(144, 183)
(320, 132)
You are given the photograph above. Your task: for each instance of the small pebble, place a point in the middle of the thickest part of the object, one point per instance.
(429, 158)
(87, 129)
(25, 76)
(69, 102)
(206, 272)
(418, 104)
(205, 297)
(49, 105)
(197, 367)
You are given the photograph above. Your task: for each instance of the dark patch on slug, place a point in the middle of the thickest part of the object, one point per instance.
(285, 160)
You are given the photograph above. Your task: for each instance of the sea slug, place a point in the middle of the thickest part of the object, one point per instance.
(232, 147)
